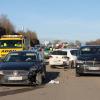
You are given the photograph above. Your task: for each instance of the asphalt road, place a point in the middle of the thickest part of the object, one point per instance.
(69, 87)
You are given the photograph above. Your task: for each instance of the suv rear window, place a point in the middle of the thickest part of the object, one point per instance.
(59, 53)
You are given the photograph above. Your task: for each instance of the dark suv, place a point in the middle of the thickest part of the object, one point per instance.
(88, 61)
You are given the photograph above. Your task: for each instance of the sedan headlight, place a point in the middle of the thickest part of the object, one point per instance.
(1, 73)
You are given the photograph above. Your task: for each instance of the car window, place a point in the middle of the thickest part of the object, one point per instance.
(59, 53)
(74, 52)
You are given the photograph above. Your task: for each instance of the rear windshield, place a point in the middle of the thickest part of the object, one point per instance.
(90, 50)
(59, 53)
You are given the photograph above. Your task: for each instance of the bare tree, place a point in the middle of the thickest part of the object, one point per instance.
(96, 42)
(33, 37)
(2, 31)
(78, 43)
(6, 24)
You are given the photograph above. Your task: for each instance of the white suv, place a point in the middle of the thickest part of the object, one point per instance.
(58, 57)
(72, 55)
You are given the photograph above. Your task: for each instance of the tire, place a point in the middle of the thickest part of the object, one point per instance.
(71, 64)
(78, 74)
(44, 73)
(65, 67)
(51, 66)
(39, 78)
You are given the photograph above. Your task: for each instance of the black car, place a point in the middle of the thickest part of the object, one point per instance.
(88, 61)
(22, 67)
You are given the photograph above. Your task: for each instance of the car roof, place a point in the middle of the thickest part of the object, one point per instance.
(91, 46)
(69, 49)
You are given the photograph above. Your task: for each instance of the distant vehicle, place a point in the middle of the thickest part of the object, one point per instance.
(58, 58)
(72, 55)
(9, 43)
(22, 67)
(88, 61)
(46, 53)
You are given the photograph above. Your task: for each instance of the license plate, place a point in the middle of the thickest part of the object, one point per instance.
(56, 61)
(14, 78)
(94, 68)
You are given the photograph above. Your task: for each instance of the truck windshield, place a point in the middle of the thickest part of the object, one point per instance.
(10, 44)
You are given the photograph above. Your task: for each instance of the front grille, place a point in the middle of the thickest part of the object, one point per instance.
(22, 72)
(93, 63)
(19, 72)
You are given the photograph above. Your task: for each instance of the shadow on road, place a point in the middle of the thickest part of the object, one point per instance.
(51, 76)
(90, 75)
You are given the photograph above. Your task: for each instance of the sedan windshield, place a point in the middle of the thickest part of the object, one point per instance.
(16, 57)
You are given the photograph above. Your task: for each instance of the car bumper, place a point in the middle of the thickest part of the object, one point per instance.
(57, 63)
(14, 80)
(88, 69)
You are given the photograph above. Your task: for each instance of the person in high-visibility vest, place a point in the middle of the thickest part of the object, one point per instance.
(17, 45)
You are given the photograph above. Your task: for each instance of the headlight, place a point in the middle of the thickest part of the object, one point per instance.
(78, 66)
(80, 61)
(1, 72)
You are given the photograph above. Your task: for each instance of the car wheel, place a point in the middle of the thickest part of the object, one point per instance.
(51, 66)
(65, 67)
(78, 74)
(39, 78)
(71, 64)
(44, 73)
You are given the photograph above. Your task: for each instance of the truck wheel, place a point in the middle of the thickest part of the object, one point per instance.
(39, 78)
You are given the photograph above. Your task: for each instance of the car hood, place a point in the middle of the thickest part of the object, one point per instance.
(89, 57)
(17, 66)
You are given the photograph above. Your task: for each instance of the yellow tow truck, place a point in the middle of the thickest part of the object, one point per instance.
(9, 43)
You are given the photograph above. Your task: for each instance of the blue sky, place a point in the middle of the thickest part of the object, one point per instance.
(55, 19)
